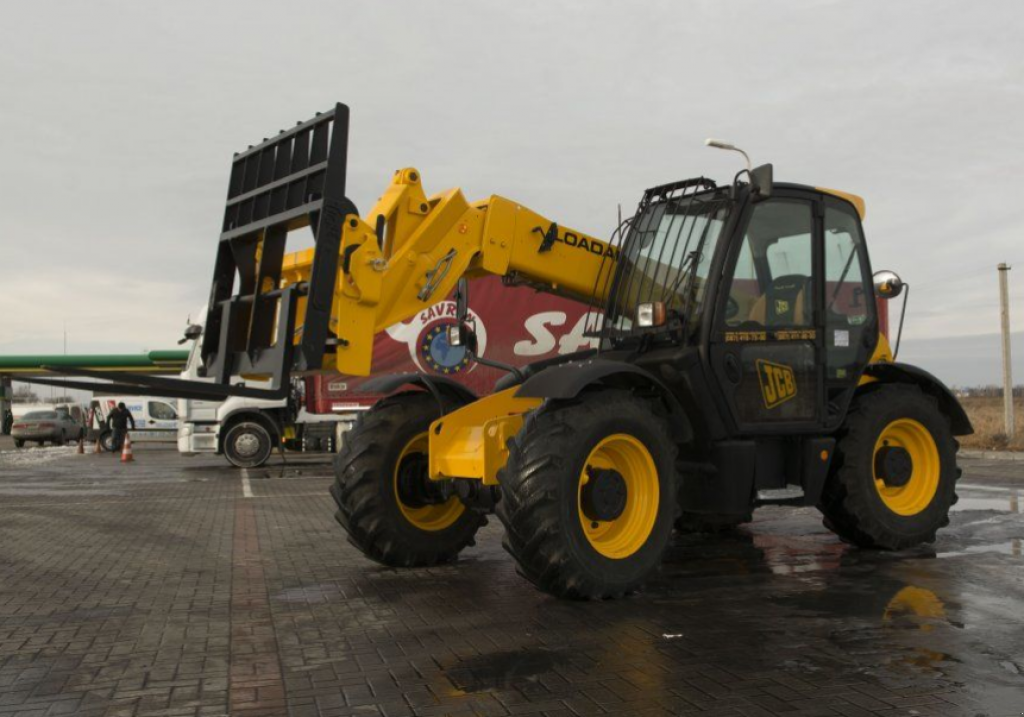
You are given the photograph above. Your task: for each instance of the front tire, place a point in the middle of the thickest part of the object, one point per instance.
(390, 509)
(248, 444)
(589, 495)
(18, 443)
(893, 476)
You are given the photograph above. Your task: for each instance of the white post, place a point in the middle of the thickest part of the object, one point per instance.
(1004, 303)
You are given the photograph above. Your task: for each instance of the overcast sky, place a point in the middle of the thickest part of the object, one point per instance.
(118, 121)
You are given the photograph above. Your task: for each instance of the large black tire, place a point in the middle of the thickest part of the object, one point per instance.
(541, 504)
(18, 443)
(248, 444)
(852, 504)
(369, 508)
(107, 441)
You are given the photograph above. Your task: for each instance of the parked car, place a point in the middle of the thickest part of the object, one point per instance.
(58, 427)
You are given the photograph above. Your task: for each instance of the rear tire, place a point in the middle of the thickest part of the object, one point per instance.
(383, 454)
(18, 443)
(559, 539)
(865, 506)
(248, 444)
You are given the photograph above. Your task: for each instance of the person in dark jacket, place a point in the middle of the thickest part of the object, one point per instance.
(118, 421)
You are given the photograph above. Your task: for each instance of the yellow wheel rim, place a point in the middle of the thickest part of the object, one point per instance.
(626, 534)
(918, 492)
(427, 517)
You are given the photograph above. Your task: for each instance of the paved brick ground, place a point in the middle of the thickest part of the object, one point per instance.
(157, 588)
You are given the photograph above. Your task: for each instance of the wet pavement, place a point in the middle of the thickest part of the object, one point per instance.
(175, 586)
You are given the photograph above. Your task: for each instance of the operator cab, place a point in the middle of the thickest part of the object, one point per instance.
(776, 284)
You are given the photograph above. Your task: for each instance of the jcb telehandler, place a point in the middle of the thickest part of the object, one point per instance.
(739, 364)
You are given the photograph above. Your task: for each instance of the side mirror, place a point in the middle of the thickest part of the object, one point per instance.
(888, 284)
(761, 181)
(192, 332)
(462, 334)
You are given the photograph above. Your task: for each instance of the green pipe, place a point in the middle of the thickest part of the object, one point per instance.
(153, 359)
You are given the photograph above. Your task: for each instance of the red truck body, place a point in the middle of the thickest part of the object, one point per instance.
(515, 325)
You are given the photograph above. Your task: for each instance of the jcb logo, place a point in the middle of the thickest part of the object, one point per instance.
(778, 383)
(781, 307)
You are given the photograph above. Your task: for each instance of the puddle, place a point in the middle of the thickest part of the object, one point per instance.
(313, 594)
(503, 670)
(1009, 504)
(1013, 547)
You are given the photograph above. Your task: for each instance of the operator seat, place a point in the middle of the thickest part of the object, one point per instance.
(785, 303)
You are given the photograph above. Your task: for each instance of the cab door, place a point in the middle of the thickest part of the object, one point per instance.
(766, 339)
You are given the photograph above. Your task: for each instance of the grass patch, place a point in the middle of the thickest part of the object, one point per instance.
(986, 416)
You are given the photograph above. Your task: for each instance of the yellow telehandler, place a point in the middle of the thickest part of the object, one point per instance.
(739, 364)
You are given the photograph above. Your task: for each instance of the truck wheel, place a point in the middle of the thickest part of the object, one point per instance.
(248, 444)
(107, 441)
(589, 495)
(18, 443)
(393, 513)
(893, 476)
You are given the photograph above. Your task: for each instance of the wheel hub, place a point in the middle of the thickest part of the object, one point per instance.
(894, 466)
(415, 489)
(603, 497)
(247, 445)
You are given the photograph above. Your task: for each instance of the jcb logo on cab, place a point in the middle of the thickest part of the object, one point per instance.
(778, 383)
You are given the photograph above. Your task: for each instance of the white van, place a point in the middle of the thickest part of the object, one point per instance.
(156, 419)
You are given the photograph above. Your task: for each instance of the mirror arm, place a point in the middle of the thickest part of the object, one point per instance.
(498, 365)
(903, 314)
(461, 316)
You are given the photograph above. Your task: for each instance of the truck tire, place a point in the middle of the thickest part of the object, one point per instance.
(893, 476)
(18, 443)
(392, 512)
(107, 441)
(589, 495)
(248, 444)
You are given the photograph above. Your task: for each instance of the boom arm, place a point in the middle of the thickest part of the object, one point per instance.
(427, 244)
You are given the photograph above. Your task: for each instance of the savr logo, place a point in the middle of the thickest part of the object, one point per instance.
(427, 338)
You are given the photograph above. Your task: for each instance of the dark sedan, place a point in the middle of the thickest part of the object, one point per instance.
(42, 426)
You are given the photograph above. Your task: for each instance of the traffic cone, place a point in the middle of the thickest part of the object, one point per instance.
(99, 447)
(126, 452)
(81, 445)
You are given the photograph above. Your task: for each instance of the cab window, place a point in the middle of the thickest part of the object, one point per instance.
(772, 285)
(849, 301)
(160, 411)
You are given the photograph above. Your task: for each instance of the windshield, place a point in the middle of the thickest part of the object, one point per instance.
(41, 416)
(666, 257)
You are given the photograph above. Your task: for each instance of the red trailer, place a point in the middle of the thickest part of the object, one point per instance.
(514, 325)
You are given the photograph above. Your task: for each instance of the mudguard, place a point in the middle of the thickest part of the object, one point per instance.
(567, 380)
(905, 373)
(438, 386)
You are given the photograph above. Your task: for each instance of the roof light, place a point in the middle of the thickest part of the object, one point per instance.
(722, 144)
